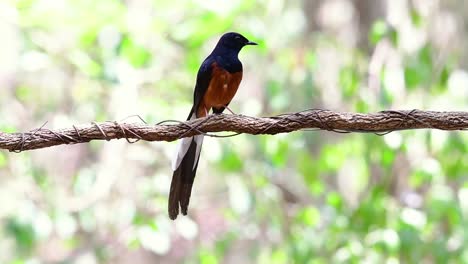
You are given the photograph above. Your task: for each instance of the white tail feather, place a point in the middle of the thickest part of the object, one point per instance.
(182, 149)
(199, 142)
(184, 145)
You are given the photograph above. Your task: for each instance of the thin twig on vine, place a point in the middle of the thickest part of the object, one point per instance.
(342, 122)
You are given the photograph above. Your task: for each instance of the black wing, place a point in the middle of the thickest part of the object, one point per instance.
(203, 81)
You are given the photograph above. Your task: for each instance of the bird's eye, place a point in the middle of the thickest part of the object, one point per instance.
(237, 37)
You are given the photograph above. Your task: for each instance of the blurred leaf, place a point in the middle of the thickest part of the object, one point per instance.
(371, 212)
(386, 97)
(387, 156)
(140, 219)
(411, 244)
(273, 88)
(311, 59)
(136, 54)
(413, 77)
(3, 160)
(7, 128)
(335, 200)
(207, 257)
(361, 106)
(349, 81)
(419, 70)
(231, 161)
(332, 157)
(195, 32)
(443, 208)
(224, 244)
(444, 76)
(24, 4)
(23, 233)
(279, 98)
(279, 256)
(309, 216)
(394, 37)
(280, 153)
(41, 179)
(86, 64)
(308, 169)
(420, 177)
(416, 18)
(134, 244)
(378, 31)
(24, 94)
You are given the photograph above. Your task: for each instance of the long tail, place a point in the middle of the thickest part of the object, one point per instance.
(184, 166)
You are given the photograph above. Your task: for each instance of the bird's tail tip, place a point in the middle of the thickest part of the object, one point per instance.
(179, 196)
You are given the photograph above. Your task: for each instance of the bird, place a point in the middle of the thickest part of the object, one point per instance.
(218, 79)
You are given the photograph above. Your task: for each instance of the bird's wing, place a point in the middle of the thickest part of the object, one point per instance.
(203, 81)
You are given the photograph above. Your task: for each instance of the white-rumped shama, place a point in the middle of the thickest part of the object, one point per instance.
(218, 78)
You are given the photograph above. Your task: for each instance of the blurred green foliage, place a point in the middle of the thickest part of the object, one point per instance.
(304, 197)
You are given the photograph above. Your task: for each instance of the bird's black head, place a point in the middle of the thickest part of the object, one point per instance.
(234, 41)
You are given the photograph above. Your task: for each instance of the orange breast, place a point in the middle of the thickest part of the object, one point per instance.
(222, 88)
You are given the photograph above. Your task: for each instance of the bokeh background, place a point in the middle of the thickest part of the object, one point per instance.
(303, 197)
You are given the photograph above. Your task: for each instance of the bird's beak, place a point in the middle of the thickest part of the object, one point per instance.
(251, 43)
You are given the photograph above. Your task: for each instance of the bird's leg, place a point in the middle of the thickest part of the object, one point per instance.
(229, 110)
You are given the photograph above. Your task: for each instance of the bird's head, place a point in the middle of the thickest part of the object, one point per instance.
(235, 41)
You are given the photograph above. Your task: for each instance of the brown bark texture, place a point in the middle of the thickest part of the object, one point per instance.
(169, 130)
